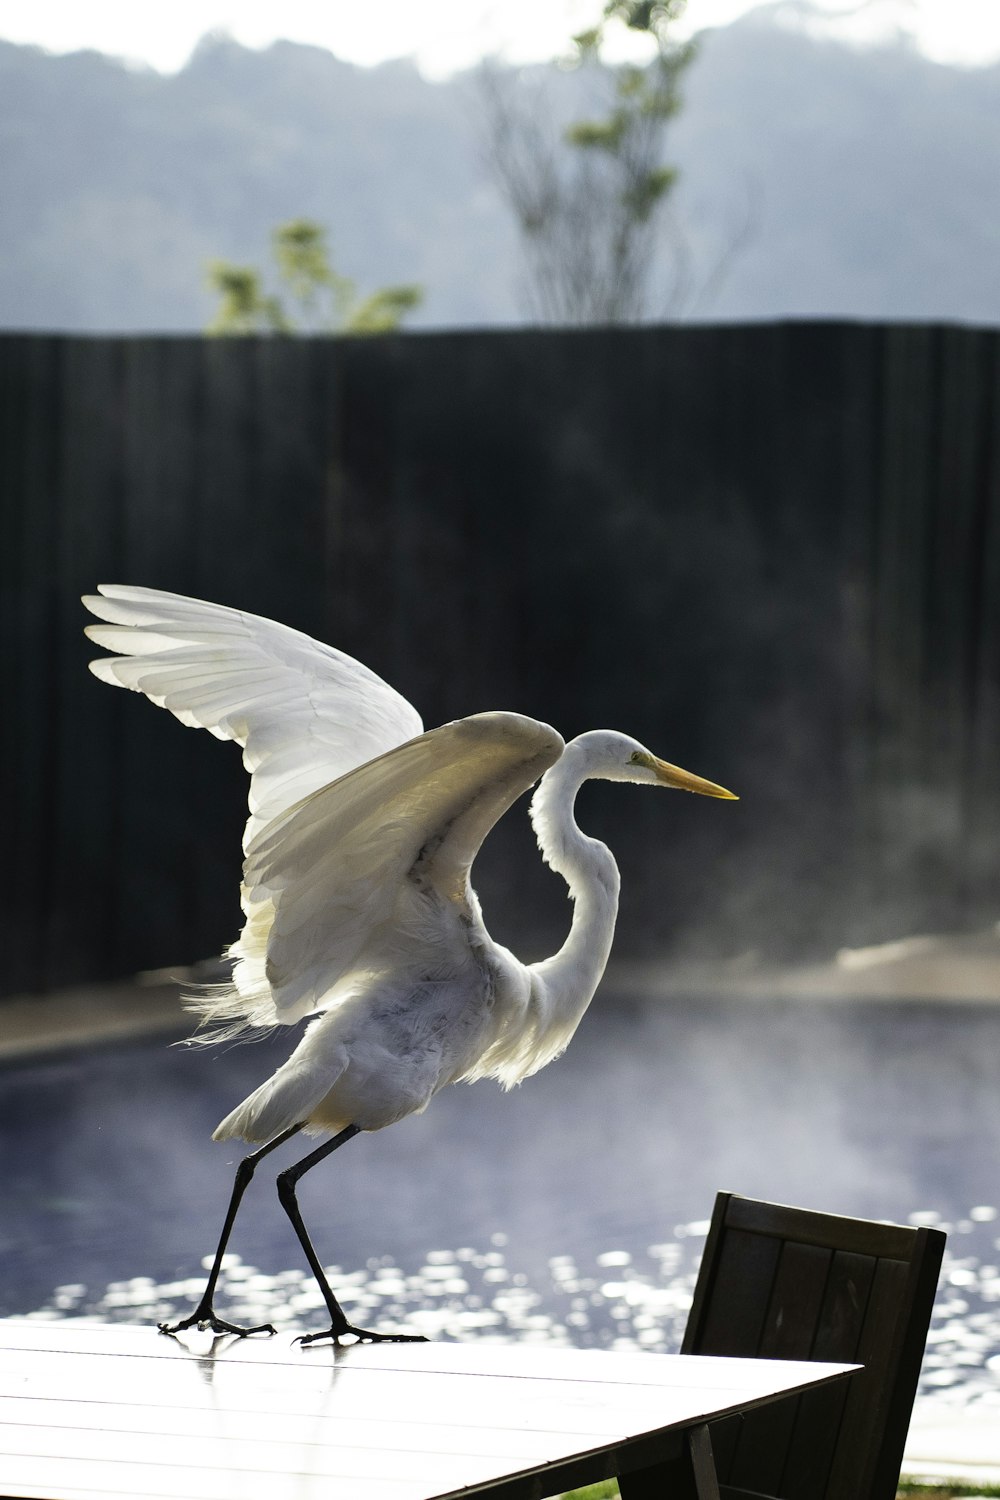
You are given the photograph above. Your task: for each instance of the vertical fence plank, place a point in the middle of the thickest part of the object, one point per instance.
(901, 588)
(30, 406)
(957, 606)
(853, 665)
(982, 791)
(286, 496)
(86, 535)
(158, 919)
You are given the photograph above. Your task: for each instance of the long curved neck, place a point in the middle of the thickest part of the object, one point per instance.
(572, 975)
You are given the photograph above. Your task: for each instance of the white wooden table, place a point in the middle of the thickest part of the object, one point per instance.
(88, 1411)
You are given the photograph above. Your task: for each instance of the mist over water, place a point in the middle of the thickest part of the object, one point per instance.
(573, 1209)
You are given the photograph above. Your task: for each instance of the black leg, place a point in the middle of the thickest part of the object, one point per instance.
(339, 1324)
(204, 1314)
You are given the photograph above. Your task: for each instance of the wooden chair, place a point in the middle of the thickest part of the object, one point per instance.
(786, 1283)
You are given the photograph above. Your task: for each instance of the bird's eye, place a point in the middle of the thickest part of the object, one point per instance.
(635, 758)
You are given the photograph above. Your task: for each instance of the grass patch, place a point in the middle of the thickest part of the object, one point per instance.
(909, 1489)
(919, 1489)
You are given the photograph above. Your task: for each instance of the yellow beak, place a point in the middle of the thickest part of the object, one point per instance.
(686, 782)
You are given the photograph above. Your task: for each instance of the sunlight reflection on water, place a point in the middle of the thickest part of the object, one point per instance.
(616, 1300)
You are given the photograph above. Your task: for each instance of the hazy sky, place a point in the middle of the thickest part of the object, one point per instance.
(445, 35)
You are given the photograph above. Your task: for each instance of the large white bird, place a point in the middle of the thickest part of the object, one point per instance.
(359, 909)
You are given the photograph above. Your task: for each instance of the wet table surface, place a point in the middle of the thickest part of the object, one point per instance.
(108, 1410)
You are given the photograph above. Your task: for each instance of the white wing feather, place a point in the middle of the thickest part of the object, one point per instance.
(303, 712)
(332, 879)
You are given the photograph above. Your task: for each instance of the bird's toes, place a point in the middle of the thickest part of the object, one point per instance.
(333, 1334)
(360, 1336)
(173, 1328)
(244, 1333)
(203, 1321)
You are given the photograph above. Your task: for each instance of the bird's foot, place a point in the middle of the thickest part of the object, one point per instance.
(359, 1336)
(204, 1317)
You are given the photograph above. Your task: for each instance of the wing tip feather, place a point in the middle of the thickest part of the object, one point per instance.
(103, 667)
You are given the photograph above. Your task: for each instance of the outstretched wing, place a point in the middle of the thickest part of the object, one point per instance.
(326, 875)
(303, 712)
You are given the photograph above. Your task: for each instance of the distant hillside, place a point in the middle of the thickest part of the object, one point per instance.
(843, 183)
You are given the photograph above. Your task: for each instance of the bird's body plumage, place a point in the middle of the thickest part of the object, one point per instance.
(358, 904)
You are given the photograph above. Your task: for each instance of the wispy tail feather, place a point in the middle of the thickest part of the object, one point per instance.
(226, 1015)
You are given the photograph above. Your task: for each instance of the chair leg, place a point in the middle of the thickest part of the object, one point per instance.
(690, 1476)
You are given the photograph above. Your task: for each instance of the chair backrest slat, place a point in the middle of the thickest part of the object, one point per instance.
(788, 1283)
(796, 1302)
(838, 1331)
(735, 1316)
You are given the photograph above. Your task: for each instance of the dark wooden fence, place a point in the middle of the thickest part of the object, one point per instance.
(771, 552)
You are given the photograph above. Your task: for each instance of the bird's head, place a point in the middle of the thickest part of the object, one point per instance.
(607, 755)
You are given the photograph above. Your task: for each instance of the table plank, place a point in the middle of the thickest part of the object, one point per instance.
(283, 1427)
(78, 1479)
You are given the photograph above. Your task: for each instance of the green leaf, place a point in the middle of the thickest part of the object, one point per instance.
(604, 135)
(325, 299)
(384, 310)
(243, 308)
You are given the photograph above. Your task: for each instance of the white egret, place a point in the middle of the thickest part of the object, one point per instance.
(356, 891)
